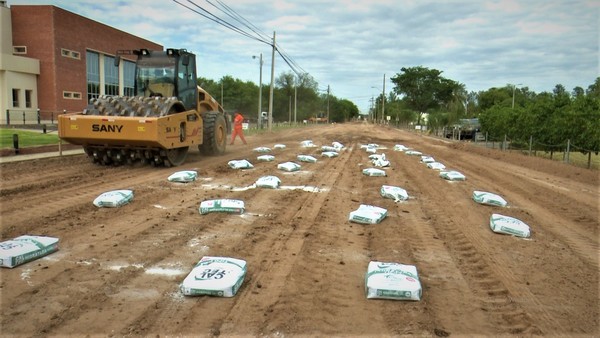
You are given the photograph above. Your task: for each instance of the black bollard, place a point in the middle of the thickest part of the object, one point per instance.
(44, 128)
(16, 143)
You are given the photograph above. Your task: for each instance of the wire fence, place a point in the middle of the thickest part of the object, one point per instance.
(16, 117)
(565, 150)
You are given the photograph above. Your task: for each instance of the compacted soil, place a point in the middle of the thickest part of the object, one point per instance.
(118, 270)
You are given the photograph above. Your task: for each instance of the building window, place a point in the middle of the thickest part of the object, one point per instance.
(28, 93)
(15, 98)
(111, 76)
(19, 50)
(92, 63)
(70, 53)
(71, 95)
(128, 78)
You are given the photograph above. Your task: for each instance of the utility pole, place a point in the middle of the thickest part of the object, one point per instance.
(372, 111)
(269, 122)
(259, 121)
(383, 101)
(295, 103)
(222, 105)
(327, 103)
(513, 100)
(290, 111)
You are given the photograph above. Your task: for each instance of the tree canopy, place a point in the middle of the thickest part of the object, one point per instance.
(425, 89)
(291, 93)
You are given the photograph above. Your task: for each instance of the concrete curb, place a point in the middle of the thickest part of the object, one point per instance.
(27, 157)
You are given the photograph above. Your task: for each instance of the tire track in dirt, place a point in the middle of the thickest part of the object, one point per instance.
(558, 223)
(179, 229)
(279, 258)
(490, 290)
(332, 247)
(550, 319)
(582, 246)
(442, 280)
(186, 311)
(117, 271)
(137, 234)
(507, 178)
(69, 194)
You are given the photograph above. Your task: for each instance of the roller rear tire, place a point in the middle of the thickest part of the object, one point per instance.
(214, 134)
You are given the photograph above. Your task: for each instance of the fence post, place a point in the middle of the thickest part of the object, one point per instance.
(504, 143)
(486, 136)
(8, 117)
(16, 143)
(38, 116)
(530, 144)
(568, 148)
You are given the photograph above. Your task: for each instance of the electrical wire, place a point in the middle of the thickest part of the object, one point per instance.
(255, 33)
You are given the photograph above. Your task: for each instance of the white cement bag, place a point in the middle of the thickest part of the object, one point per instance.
(395, 193)
(413, 153)
(272, 182)
(265, 158)
(279, 146)
(367, 214)
(222, 205)
(392, 281)
(436, 166)
(509, 226)
(329, 154)
(262, 149)
(307, 144)
(400, 147)
(371, 150)
(215, 276)
(373, 172)
(183, 176)
(338, 146)
(240, 164)
(306, 158)
(328, 148)
(488, 198)
(289, 166)
(25, 248)
(452, 175)
(380, 161)
(113, 199)
(427, 159)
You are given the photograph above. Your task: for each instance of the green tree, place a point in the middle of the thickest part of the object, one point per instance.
(424, 89)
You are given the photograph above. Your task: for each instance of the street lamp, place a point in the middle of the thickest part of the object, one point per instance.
(514, 88)
(376, 110)
(259, 121)
(382, 104)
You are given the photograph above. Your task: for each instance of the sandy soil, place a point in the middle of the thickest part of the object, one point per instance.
(118, 271)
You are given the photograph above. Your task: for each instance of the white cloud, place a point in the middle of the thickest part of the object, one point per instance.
(350, 44)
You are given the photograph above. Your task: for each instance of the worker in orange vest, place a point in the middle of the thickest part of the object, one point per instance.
(237, 128)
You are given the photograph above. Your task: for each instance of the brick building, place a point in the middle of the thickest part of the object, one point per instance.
(76, 59)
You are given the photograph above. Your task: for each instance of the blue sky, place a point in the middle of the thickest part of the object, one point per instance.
(350, 44)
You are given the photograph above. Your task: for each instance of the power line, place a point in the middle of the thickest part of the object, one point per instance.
(219, 21)
(243, 21)
(255, 33)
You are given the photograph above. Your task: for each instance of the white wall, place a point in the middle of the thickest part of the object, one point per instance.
(15, 71)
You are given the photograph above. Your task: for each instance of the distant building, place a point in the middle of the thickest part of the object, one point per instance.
(55, 61)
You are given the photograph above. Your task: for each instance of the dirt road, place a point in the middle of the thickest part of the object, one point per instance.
(118, 270)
